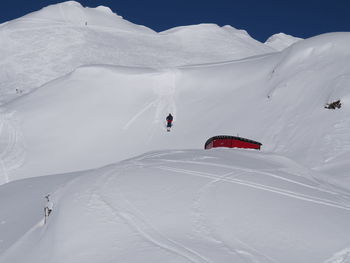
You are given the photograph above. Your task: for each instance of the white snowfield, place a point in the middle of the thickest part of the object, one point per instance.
(99, 114)
(52, 42)
(93, 91)
(187, 206)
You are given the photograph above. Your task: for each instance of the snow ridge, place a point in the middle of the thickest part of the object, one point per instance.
(52, 42)
(281, 41)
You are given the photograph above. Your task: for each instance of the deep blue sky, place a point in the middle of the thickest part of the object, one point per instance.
(261, 18)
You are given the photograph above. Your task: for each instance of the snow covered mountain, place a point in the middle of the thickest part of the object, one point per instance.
(106, 86)
(100, 114)
(52, 42)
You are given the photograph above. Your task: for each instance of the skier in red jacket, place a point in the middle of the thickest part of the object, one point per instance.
(169, 120)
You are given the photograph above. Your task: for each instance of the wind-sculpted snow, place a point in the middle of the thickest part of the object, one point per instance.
(192, 206)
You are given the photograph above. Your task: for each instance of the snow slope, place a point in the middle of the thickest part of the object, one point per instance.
(192, 206)
(100, 114)
(22, 204)
(52, 42)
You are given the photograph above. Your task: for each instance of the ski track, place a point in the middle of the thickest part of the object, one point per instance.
(272, 189)
(165, 88)
(342, 256)
(246, 253)
(337, 195)
(17, 244)
(12, 152)
(137, 115)
(129, 214)
(228, 62)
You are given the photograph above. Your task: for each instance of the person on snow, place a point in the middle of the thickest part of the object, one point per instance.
(48, 207)
(169, 120)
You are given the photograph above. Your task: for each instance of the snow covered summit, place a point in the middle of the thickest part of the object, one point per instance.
(55, 40)
(281, 41)
(72, 12)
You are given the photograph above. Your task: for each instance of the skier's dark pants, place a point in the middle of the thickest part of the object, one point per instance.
(169, 124)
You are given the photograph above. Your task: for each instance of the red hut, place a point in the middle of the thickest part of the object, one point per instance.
(231, 142)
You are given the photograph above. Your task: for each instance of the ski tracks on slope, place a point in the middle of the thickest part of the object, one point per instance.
(166, 90)
(344, 205)
(342, 256)
(12, 150)
(164, 87)
(128, 213)
(241, 250)
(262, 187)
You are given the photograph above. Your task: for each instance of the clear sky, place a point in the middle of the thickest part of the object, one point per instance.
(261, 18)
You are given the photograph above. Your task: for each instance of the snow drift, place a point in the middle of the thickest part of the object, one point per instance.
(192, 206)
